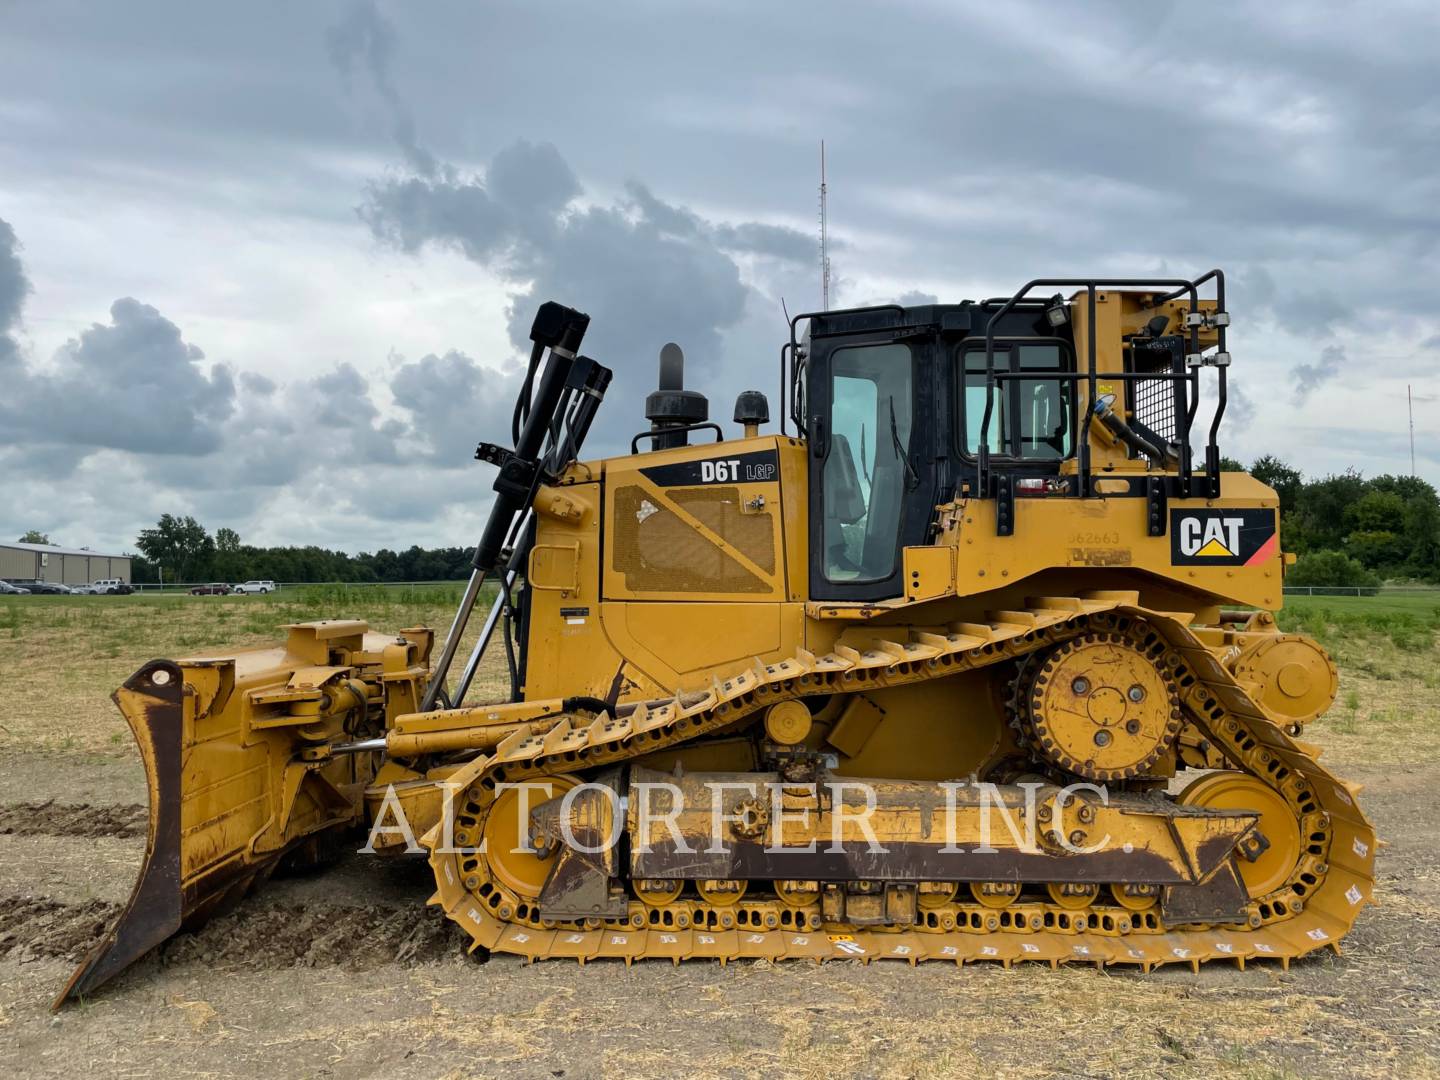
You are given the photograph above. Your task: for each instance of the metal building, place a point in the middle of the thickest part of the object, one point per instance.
(70, 566)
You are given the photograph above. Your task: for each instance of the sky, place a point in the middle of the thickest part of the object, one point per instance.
(274, 264)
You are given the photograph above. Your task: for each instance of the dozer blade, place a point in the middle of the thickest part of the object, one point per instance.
(151, 701)
(238, 763)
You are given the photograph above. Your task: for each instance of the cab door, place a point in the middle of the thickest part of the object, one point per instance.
(872, 477)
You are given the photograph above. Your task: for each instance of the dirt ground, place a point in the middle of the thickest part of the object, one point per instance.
(346, 973)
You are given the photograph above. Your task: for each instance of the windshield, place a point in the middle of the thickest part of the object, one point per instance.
(866, 468)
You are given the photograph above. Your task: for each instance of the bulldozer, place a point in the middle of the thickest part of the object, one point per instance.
(974, 657)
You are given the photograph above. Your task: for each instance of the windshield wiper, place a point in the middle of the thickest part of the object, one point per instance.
(912, 478)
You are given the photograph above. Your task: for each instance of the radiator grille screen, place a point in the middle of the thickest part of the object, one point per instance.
(657, 551)
(1154, 399)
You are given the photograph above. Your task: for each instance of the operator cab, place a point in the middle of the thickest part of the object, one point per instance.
(905, 408)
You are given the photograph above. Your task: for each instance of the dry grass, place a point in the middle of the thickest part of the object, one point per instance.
(1371, 1012)
(60, 657)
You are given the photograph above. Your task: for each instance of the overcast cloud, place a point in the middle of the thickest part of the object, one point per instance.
(275, 264)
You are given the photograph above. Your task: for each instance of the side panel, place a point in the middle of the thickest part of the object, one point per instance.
(685, 564)
(568, 650)
(1110, 534)
(696, 523)
(684, 644)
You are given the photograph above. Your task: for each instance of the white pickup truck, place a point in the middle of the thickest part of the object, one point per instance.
(256, 587)
(103, 587)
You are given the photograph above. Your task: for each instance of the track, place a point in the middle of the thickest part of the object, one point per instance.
(1314, 909)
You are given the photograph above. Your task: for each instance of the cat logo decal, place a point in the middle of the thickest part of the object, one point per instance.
(1245, 537)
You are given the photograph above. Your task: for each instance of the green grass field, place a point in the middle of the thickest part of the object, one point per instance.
(1407, 620)
(1418, 602)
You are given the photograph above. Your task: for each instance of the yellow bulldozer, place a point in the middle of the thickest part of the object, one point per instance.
(975, 658)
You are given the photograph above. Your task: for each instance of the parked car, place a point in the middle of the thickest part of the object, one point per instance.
(53, 588)
(215, 588)
(256, 587)
(6, 589)
(111, 585)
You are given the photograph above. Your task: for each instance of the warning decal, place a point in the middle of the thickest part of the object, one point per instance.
(1222, 537)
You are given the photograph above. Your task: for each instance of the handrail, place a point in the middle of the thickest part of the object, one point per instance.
(1184, 375)
(1090, 285)
(679, 429)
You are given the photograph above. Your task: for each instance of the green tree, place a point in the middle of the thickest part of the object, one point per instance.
(1318, 523)
(1376, 549)
(1334, 568)
(1375, 511)
(1409, 488)
(231, 562)
(1422, 538)
(1286, 481)
(35, 536)
(179, 545)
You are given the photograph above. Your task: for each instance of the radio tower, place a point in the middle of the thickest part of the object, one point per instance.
(824, 238)
(1409, 401)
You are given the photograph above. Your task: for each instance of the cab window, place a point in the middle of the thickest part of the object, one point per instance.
(1031, 418)
(865, 461)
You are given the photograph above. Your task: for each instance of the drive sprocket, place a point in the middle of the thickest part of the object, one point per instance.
(1101, 705)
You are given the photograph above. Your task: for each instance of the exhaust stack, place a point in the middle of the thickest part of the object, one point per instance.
(671, 406)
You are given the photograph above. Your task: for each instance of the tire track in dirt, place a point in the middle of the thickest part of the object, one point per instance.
(259, 935)
(357, 938)
(52, 818)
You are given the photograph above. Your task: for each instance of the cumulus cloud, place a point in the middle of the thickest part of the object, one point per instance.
(14, 286)
(916, 298)
(452, 401)
(134, 400)
(131, 384)
(647, 271)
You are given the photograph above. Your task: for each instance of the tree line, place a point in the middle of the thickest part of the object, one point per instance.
(185, 551)
(1349, 530)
